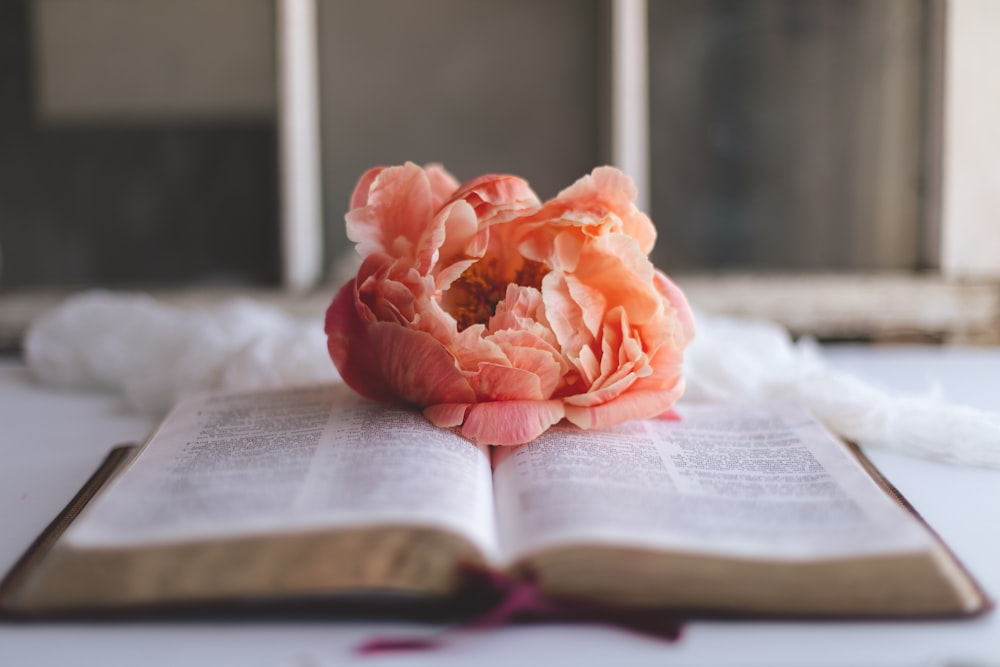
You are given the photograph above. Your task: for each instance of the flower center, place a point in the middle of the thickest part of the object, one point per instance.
(473, 298)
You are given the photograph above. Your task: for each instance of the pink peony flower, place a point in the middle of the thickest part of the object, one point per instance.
(503, 315)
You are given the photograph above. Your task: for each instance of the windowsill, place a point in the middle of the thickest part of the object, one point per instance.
(875, 307)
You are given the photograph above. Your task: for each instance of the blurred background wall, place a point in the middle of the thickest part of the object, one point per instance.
(138, 137)
(137, 142)
(830, 164)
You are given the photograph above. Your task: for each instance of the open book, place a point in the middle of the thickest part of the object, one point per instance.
(315, 493)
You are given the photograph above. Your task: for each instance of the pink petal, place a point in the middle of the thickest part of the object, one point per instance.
(605, 182)
(419, 369)
(611, 340)
(540, 363)
(360, 195)
(445, 275)
(666, 365)
(458, 229)
(676, 297)
(565, 317)
(607, 189)
(608, 392)
(615, 266)
(520, 305)
(350, 348)
(498, 198)
(443, 184)
(494, 382)
(567, 251)
(589, 365)
(510, 422)
(630, 405)
(396, 214)
(447, 415)
(471, 348)
(536, 337)
(591, 301)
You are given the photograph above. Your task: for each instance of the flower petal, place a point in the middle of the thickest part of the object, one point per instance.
(418, 368)
(396, 214)
(676, 297)
(591, 300)
(510, 422)
(498, 197)
(565, 317)
(616, 267)
(607, 189)
(629, 405)
(359, 197)
(494, 382)
(351, 350)
(443, 184)
(447, 415)
(457, 229)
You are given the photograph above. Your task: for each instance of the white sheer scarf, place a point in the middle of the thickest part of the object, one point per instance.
(152, 353)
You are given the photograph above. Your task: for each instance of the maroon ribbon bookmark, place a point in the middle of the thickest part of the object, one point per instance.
(521, 599)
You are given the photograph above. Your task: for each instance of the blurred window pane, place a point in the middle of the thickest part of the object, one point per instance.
(138, 143)
(477, 85)
(790, 135)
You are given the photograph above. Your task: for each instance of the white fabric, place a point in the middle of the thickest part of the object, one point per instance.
(743, 359)
(153, 353)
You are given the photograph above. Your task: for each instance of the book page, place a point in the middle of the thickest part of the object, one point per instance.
(751, 481)
(292, 460)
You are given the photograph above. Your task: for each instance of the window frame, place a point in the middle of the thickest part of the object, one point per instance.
(956, 299)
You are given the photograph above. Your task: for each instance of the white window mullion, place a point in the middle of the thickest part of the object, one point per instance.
(970, 225)
(630, 93)
(298, 121)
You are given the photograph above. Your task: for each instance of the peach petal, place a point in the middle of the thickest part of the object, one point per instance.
(615, 266)
(666, 366)
(432, 319)
(589, 365)
(494, 382)
(458, 228)
(498, 198)
(394, 301)
(472, 348)
(446, 275)
(676, 297)
(608, 391)
(443, 184)
(611, 340)
(360, 195)
(567, 251)
(591, 301)
(536, 338)
(565, 316)
(419, 369)
(608, 189)
(447, 415)
(520, 307)
(510, 422)
(629, 405)
(540, 363)
(396, 213)
(607, 182)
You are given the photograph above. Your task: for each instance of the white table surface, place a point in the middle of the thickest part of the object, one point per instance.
(50, 441)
